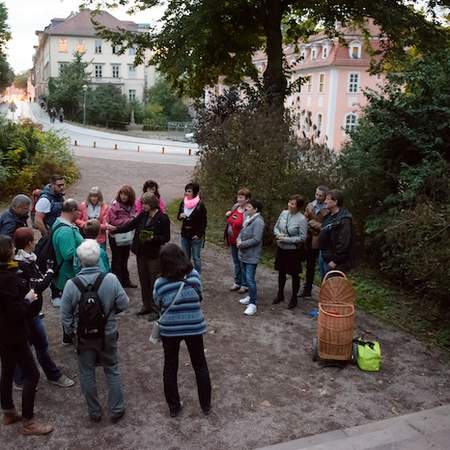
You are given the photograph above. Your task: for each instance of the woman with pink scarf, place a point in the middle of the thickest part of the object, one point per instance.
(192, 213)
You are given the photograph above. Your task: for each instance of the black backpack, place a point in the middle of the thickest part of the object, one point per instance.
(45, 251)
(91, 317)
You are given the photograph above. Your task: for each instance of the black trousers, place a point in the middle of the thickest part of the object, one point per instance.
(18, 355)
(197, 354)
(119, 261)
(312, 254)
(282, 276)
(149, 270)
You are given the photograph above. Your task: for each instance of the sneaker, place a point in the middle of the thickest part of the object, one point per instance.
(243, 290)
(117, 417)
(67, 340)
(235, 287)
(62, 381)
(250, 310)
(56, 302)
(245, 300)
(31, 427)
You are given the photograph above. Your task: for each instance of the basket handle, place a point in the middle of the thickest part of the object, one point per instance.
(335, 272)
(340, 316)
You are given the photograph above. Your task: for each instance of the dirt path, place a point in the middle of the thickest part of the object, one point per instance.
(266, 389)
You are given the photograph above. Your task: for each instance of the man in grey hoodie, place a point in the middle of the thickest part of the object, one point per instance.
(114, 300)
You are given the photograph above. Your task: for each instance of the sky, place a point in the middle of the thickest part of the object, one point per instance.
(27, 16)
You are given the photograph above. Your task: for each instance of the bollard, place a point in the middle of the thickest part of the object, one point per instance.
(190, 152)
(115, 146)
(75, 143)
(138, 148)
(94, 144)
(162, 150)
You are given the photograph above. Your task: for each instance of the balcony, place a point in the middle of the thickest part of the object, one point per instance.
(107, 80)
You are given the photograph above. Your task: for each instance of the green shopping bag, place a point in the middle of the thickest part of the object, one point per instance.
(369, 355)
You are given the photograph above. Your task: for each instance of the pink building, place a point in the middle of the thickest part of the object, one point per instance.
(330, 100)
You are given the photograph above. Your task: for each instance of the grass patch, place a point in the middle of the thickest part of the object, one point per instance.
(375, 294)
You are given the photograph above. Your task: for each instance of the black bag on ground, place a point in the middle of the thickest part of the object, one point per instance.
(91, 316)
(45, 251)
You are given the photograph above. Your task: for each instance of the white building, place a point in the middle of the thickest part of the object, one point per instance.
(63, 37)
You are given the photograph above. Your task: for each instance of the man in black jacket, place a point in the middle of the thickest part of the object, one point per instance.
(336, 236)
(152, 230)
(16, 216)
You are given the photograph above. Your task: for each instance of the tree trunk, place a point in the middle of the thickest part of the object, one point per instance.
(275, 83)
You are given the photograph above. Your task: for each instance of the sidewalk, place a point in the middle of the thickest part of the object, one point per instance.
(429, 429)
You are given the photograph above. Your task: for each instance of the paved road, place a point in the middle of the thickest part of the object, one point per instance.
(105, 142)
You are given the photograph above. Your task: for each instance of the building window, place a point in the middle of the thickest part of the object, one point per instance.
(314, 53)
(350, 122)
(321, 82)
(319, 124)
(131, 71)
(354, 50)
(132, 51)
(115, 70)
(132, 95)
(115, 50)
(62, 46)
(98, 46)
(309, 83)
(353, 82)
(98, 70)
(303, 56)
(325, 52)
(81, 47)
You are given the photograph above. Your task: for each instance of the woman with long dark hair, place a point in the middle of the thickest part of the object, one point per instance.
(121, 212)
(178, 294)
(153, 188)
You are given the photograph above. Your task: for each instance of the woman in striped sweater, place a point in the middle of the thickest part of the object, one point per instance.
(180, 283)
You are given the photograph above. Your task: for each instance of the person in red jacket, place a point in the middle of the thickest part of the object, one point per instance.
(94, 208)
(235, 220)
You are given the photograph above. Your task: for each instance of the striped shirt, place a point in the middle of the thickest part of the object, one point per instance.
(185, 316)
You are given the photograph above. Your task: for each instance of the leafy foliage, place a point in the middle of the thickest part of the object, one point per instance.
(396, 173)
(21, 79)
(29, 156)
(6, 73)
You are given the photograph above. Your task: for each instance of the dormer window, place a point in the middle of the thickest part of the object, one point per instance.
(303, 56)
(354, 50)
(81, 47)
(325, 51)
(314, 53)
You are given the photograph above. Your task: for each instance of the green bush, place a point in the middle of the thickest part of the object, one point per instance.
(29, 156)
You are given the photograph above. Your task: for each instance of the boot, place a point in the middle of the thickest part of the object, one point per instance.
(33, 428)
(278, 299)
(292, 303)
(306, 292)
(10, 416)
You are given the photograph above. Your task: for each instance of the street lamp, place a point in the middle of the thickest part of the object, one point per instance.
(85, 88)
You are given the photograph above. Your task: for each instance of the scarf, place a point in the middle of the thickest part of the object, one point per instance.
(249, 219)
(24, 256)
(189, 204)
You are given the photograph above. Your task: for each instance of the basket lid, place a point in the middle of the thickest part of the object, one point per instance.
(337, 290)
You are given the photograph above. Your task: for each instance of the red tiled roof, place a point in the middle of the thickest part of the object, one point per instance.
(80, 24)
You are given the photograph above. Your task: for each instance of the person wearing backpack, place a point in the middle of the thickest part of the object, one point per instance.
(50, 203)
(90, 302)
(66, 238)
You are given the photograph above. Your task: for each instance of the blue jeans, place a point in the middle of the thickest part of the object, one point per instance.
(192, 248)
(239, 274)
(323, 266)
(108, 360)
(250, 272)
(39, 340)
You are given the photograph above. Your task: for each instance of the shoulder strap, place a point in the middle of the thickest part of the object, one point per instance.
(79, 284)
(82, 287)
(98, 281)
(174, 300)
(60, 225)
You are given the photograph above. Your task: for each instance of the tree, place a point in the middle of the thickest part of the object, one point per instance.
(6, 73)
(66, 90)
(21, 80)
(107, 106)
(198, 41)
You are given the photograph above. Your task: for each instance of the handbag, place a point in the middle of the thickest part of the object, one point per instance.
(155, 336)
(123, 239)
(368, 356)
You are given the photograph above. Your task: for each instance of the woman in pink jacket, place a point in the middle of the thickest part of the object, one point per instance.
(94, 208)
(152, 187)
(121, 212)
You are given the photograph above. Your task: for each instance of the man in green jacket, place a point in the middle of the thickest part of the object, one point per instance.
(66, 238)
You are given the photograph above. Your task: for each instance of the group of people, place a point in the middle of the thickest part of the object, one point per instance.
(169, 275)
(56, 113)
(80, 270)
(321, 233)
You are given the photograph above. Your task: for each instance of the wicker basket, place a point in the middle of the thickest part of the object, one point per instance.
(336, 289)
(335, 331)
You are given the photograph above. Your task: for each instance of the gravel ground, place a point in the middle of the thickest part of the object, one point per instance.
(266, 389)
